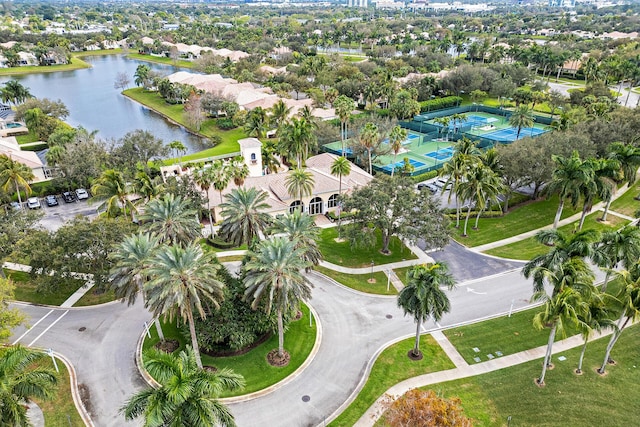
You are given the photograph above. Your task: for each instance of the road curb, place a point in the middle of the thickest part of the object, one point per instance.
(334, 282)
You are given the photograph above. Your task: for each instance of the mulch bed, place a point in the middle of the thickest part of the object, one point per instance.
(168, 346)
(275, 360)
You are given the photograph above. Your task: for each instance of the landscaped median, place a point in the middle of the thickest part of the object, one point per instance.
(302, 339)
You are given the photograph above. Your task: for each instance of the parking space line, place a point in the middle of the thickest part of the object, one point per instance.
(49, 327)
(31, 328)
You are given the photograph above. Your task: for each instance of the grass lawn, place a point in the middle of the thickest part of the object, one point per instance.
(359, 282)
(74, 64)
(92, 298)
(26, 289)
(154, 101)
(528, 248)
(342, 253)
(60, 411)
(161, 60)
(523, 218)
(567, 399)
(231, 258)
(298, 341)
(27, 139)
(627, 204)
(391, 367)
(402, 273)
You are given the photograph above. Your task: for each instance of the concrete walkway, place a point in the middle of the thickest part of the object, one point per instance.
(464, 370)
(568, 220)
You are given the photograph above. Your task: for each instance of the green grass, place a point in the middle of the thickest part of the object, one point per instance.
(93, 297)
(27, 139)
(154, 101)
(161, 60)
(341, 253)
(26, 289)
(528, 248)
(523, 218)
(60, 411)
(567, 399)
(391, 367)
(627, 204)
(231, 258)
(402, 273)
(359, 282)
(298, 341)
(74, 64)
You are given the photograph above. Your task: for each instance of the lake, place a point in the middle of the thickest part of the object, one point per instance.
(95, 104)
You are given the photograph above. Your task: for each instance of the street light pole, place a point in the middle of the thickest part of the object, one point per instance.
(388, 279)
(371, 278)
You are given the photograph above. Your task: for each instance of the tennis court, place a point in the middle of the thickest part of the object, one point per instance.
(416, 164)
(442, 154)
(411, 138)
(511, 134)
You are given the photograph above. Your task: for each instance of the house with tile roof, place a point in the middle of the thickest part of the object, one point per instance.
(9, 147)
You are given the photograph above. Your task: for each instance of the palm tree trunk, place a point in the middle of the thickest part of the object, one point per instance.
(18, 191)
(458, 211)
(606, 209)
(395, 155)
(466, 221)
(556, 220)
(477, 219)
(584, 349)
(547, 357)
(585, 208)
(192, 332)
(370, 164)
(159, 329)
(280, 334)
(612, 342)
(416, 348)
(628, 93)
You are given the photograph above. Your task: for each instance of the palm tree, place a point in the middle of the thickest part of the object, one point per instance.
(15, 174)
(111, 190)
(423, 297)
(628, 157)
(521, 117)
(131, 258)
(274, 274)
(14, 92)
(481, 186)
(256, 124)
(343, 106)
(270, 162)
(569, 177)
(203, 180)
(629, 299)
(369, 137)
(243, 215)
(219, 175)
(444, 124)
(297, 138)
(181, 278)
(340, 167)
(300, 183)
(238, 170)
(455, 170)
(146, 186)
(20, 381)
(54, 155)
(172, 219)
(141, 76)
(187, 395)
(615, 247)
(559, 310)
(396, 138)
(301, 229)
(279, 114)
(594, 318)
(564, 248)
(179, 148)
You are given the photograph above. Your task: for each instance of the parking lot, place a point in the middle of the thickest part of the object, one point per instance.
(56, 216)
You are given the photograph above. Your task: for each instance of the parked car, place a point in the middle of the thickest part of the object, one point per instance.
(432, 188)
(68, 197)
(33, 203)
(81, 194)
(51, 200)
(16, 206)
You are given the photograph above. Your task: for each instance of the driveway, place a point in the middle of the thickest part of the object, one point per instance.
(56, 216)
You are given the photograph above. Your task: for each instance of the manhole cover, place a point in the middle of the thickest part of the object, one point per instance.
(82, 329)
(389, 316)
(306, 398)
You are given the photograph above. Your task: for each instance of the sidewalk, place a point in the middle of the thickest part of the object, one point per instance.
(464, 370)
(576, 217)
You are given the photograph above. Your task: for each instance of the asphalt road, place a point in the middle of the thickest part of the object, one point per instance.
(56, 216)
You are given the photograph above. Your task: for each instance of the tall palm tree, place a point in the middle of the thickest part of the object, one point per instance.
(243, 215)
(343, 106)
(188, 395)
(300, 182)
(20, 381)
(465, 155)
(369, 137)
(564, 248)
(569, 177)
(179, 149)
(596, 317)
(481, 186)
(279, 114)
(54, 155)
(274, 274)
(340, 167)
(111, 191)
(16, 175)
(423, 297)
(203, 180)
(172, 219)
(14, 92)
(256, 124)
(628, 157)
(396, 138)
(146, 186)
(297, 138)
(615, 247)
(181, 278)
(444, 124)
(301, 229)
(238, 170)
(521, 117)
(131, 259)
(629, 301)
(606, 173)
(219, 176)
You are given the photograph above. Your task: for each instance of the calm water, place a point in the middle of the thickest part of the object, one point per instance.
(94, 104)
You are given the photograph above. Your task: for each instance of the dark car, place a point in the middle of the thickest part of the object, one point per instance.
(432, 188)
(51, 200)
(68, 197)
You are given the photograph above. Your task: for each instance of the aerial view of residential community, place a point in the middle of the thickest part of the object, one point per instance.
(319, 213)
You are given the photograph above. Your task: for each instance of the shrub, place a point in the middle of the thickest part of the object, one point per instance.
(424, 176)
(225, 123)
(440, 103)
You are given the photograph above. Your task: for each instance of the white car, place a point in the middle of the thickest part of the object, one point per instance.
(81, 194)
(33, 203)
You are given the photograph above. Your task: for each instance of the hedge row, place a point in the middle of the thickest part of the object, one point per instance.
(440, 103)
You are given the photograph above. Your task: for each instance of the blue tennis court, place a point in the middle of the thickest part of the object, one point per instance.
(469, 121)
(416, 164)
(410, 138)
(442, 154)
(511, 134)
